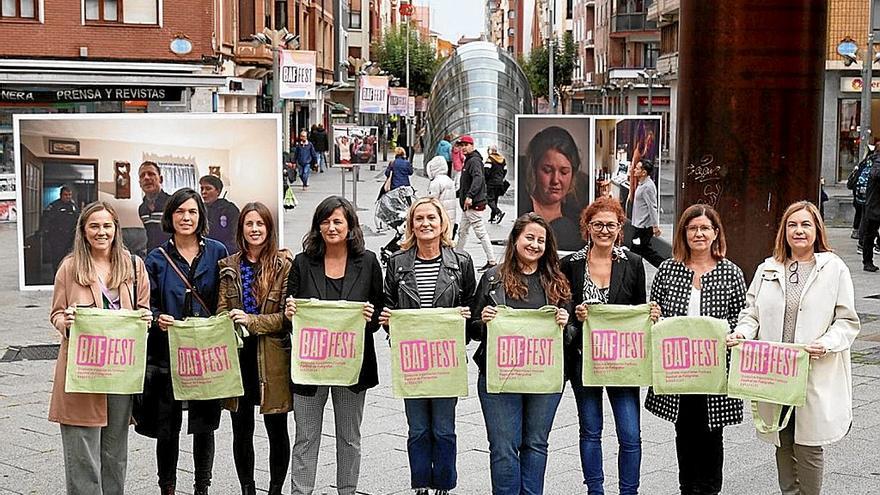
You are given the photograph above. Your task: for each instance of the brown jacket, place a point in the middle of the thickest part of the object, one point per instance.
(273, 344)
(84, 409)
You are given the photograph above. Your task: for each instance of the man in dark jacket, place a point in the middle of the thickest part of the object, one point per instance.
(304, 155)
(150, 210)
(871, 219)
(222, 213)
(472, 199)
(59, 226)
(318, 137)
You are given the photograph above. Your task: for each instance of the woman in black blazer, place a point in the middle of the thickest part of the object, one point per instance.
(604, 273)
(334, 266)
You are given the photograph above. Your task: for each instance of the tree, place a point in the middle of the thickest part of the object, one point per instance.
(390, 55)
(537, 66)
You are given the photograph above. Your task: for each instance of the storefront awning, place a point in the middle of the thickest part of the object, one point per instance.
(18, 73)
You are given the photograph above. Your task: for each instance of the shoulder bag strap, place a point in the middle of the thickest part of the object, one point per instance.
(183, 278)
(134, 286)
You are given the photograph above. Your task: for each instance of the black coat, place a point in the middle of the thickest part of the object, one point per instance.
(627, 286)
(319, 140)
(362, 282)
(455, 282)
(473, 183)
(872, 196)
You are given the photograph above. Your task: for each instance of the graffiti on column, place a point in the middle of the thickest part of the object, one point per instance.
(707, 174)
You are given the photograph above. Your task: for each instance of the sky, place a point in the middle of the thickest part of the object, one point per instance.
(456, 18)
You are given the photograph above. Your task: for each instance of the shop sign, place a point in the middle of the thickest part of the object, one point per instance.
(90, 94)
(656, 101)
(855, 85)
(298, 73)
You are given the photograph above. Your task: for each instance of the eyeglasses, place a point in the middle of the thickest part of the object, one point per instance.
(793, 273)
(703, 229)
(611, 227)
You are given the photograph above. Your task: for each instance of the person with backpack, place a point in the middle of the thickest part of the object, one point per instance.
(870, 217)
(857, 186)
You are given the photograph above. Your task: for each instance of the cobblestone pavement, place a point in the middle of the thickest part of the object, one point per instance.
(31, 460)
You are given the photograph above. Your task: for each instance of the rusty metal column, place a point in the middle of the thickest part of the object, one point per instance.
(750, 95)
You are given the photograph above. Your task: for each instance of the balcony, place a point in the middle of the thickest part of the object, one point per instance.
(625, 23)
(661, 9)
(589, 39)
(668, 64)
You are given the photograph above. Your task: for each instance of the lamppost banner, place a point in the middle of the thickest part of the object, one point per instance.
(298, 73)
(398, 100)
(411, 106)
(373, 94)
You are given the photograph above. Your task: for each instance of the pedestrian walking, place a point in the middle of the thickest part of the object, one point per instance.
(518, 425)
(428, 273)
(397, 172)
(646, 214)
(457, 162)
(472, 199)
(803, 294)
(184, 277)
(495, 172)
(603, 272)
(318, 138)
(699, 281)
(305, 156)
(870, 215)
(441, 186)
(334, 266)
(100, 273)
(252, 282)
(444, 150)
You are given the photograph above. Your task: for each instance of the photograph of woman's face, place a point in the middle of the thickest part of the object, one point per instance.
(553, 177)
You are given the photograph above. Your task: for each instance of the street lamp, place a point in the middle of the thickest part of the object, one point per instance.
(277, 40)
(649, 74)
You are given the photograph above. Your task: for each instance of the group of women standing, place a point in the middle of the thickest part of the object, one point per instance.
(803, 294)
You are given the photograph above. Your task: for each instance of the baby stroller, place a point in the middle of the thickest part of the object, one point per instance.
(391, 211)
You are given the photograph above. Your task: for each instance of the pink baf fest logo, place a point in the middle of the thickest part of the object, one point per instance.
(195, 361)
(682, 353)
(320, 344)
(100, 351)
(765, 358)
(614, 345)
(423, 355)
(514, 351)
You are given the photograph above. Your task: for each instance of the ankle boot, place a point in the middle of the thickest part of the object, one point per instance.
(167, 490)
(249, 489)
(275, 488)
(200, 489)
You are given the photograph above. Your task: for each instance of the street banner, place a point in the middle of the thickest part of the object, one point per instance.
(411, 106)
(690, 355)
(327, 342)
(106, 352)
(524, 352)
(771, 375)
(373, 94)
(617, 346)
(204, 358)
(428, 361)
(398, 99)
(298, 74)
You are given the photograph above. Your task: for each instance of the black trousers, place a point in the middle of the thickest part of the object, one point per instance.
(700, 451)
(869, 239)
(243, 444)
(492, 194)
(168, 451)
(857, 217)
(644, 248)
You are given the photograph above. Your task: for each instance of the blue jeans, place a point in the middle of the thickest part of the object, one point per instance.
(518, 426)
(322, 160)
(431, 443)
(305, 170)
(625, 406)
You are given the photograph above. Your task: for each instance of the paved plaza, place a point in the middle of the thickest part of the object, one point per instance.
(31, 459)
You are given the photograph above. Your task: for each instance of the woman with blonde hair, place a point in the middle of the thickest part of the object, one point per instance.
(428, 273)
(803, 294)
(94, 427)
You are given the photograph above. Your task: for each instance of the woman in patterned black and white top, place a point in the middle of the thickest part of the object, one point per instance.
(604, 273)
(699, 281)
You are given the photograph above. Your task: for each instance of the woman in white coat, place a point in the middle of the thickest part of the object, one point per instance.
(442, 186)
(803, 294)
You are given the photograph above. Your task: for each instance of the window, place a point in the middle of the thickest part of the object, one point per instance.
(511, 14)
(354, 16)
(280, 14)
(247, 23)
(123, 11)
(21, 9)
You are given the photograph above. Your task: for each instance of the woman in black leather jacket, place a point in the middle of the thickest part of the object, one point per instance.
(428, 273)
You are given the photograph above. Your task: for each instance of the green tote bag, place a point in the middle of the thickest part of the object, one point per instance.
(428, 355)
(617, 346)
(327, 345)
(204, 358)
(106, 352)
(690, 355)
(524, 352)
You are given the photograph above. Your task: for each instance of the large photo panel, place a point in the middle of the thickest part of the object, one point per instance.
(552, 172)
(64, 162)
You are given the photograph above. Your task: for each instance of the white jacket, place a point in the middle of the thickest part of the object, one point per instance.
(441, 186)
(827, 315)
